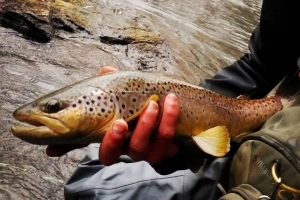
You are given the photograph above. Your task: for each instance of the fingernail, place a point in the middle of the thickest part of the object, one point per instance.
(118, 129)
(152, 106)
(172, 98)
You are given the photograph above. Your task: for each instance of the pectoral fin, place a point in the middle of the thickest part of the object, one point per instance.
(154, 97)
(214, 141)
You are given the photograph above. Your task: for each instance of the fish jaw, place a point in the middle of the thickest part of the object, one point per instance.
(55, 128)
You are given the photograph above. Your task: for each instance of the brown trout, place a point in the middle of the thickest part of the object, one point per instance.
(82, 113)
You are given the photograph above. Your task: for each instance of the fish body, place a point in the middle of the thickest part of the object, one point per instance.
(82, 113)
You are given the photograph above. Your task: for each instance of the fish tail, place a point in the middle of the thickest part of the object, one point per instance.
(288, 90)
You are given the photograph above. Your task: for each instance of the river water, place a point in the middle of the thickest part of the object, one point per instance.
(204, 36)
(208, 34)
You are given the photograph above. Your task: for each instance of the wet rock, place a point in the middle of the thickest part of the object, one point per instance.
(89, 22)
(45, 45)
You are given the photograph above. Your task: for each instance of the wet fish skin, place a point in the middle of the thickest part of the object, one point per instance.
(82, 113)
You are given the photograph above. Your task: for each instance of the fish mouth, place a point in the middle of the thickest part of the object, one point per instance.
(42, 128)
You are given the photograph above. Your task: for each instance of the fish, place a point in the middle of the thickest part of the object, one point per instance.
(82, 113)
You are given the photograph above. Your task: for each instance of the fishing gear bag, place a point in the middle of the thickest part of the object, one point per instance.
(267, 163)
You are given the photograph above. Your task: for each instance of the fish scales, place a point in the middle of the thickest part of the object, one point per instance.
(200, 109)
(83, 112)
(99, 100)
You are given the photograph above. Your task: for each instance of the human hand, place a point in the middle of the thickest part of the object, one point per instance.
(141, 146)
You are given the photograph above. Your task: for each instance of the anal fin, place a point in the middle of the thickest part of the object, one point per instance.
(214, 141)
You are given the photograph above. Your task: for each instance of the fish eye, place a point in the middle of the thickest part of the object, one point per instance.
(53, 106)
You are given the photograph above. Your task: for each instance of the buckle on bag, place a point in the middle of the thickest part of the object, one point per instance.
(281, 187)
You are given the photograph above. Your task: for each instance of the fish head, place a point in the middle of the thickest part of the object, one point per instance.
(67, 117)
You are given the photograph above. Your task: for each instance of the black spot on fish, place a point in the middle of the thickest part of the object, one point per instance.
(79, 101)
(99, 98)
(131, 111)
(117, 97)
(93, 101)
(134, 100)
(91, 109)
(84, 97)
(111, 100)
(88, 103)
(103, 110)
(74, 105)
(123, 93)
(123, 106)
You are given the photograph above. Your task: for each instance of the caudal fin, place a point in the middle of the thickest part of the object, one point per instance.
(289, 90)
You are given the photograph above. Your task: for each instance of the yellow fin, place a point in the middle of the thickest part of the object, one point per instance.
(154, 97)
(214, 141)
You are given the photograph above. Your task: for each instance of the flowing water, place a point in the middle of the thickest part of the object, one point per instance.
(204, 36)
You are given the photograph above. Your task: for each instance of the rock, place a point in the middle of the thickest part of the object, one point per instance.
(45, 45)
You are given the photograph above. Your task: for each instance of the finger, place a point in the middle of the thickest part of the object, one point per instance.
(110, 148)
(60, 150)
(106, 69)
(140, 138)
(162, 146)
